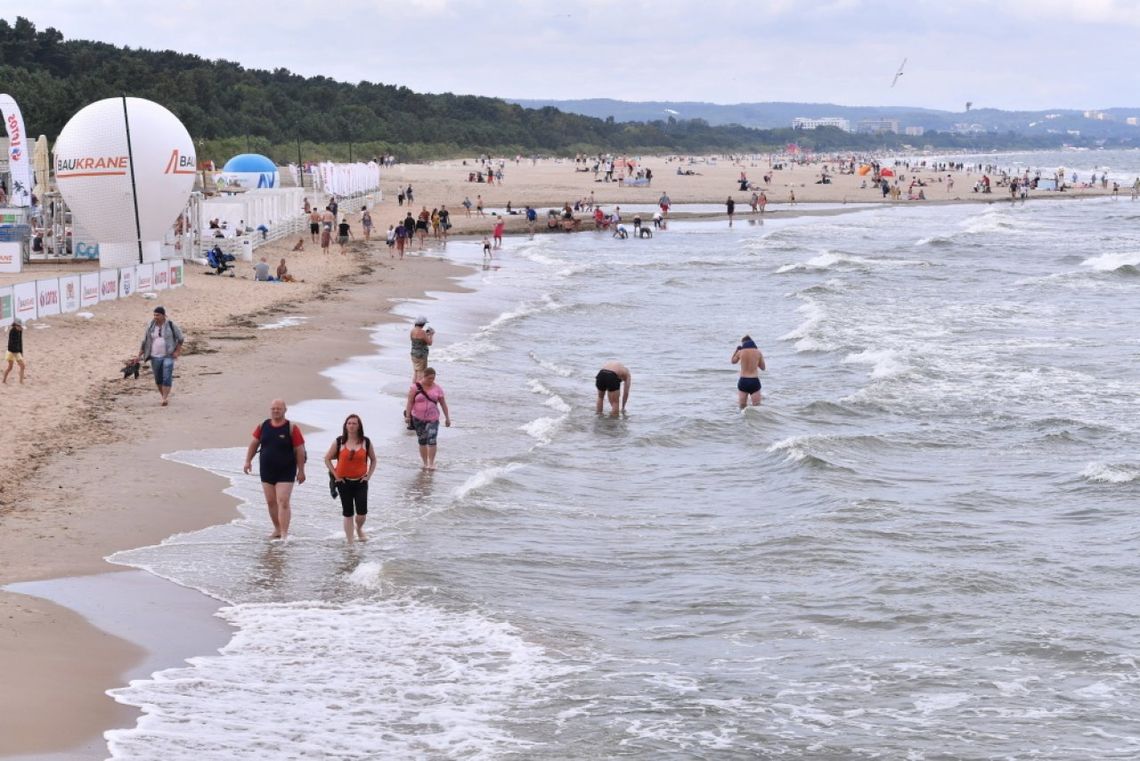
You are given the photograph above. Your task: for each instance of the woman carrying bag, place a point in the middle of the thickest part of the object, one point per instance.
(355, 460)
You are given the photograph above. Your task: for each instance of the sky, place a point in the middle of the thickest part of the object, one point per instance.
(1010, 54)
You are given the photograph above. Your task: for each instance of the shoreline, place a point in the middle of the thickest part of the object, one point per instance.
(105, 490)
(124, 502)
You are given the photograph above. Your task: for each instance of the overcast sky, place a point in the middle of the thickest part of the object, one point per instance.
(1009, 54)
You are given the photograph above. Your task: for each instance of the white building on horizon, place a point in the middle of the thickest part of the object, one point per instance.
(802, 122)
(878, 126)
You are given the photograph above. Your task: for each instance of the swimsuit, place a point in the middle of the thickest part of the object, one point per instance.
(748, 385)
(607, 380)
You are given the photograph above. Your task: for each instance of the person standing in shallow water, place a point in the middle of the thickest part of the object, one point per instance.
(281, 463)
(751, 362)
(611, 379)
(355, 462)
(425, 400)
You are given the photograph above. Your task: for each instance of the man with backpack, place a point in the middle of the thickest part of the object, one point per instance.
(281, 463)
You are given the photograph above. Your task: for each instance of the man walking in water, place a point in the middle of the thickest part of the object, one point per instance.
(608, 381)
(751, 362)
(282, 462)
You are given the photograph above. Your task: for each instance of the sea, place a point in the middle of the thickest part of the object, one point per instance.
(924, 544)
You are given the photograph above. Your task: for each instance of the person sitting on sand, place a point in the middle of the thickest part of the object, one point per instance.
(300, 246)
(261, 272)
(283, 273)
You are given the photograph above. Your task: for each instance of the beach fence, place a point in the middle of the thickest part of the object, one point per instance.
(46, 297)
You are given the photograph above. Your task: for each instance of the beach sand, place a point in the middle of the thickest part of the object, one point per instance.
(84, 475)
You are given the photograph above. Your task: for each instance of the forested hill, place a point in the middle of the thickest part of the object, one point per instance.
(228, 109)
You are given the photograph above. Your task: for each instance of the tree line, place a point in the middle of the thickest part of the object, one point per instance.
(229, 109)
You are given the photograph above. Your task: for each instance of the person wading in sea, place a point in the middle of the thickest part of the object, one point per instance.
(751, 362)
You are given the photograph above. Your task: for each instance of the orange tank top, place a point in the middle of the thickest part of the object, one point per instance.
(352, 463)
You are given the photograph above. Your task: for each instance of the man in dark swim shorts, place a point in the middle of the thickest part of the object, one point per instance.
(751, 362)
(282, 462)
(609, 381)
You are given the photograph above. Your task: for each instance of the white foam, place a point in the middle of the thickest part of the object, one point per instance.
(292, 685)
(941, 702)
(367, 575)
(805, 333)
(557, 369)
(485, 477)
(988, 221)
(885, 363)
(1099, 472)
(1111, 262)
(543, 429)
(554, 401)
(793, 445)
(288, 321)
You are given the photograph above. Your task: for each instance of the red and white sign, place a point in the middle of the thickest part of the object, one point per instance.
(89, 289)
(69, 294)
(108, 285)
(177, 273)
(145, 275)
(25, 297)
(126, 281)
(161, 277)
(47, 297)
(10, 256)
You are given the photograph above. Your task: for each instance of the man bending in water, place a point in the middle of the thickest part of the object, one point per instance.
(751, 362)
(608, 381)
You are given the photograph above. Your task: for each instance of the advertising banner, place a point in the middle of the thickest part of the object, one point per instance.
(19, 153)
(69, 293)
(89, 289)
(25, 296)
(161, 276)
(11, 256)
(176, 273)
(108, 285)
(47, 297)
(145, 275)
(126, 281)
(7, 306)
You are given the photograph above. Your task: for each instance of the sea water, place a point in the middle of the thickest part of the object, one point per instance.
(922, 545)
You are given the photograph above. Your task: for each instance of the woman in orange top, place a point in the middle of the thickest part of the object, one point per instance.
(354, 462)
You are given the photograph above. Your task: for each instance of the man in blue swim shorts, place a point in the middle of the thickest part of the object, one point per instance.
(751, 362)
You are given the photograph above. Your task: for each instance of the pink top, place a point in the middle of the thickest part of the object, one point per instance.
(423, 409)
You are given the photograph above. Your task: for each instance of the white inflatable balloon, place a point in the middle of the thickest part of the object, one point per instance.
(93, 169)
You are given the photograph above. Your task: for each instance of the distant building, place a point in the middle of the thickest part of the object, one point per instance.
(1134, 121)
(878, 126)
(1098, 115)
(967, 129)
(915, 131)
(801, 122)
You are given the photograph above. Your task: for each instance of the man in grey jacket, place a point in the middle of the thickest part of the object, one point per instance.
(161, 344)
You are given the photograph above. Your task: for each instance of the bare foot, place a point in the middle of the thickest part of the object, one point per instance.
(431, 467)
(274, 535)
(165, 402)
(360, 535)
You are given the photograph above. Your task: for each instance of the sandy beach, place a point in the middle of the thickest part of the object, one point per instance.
(84, 475)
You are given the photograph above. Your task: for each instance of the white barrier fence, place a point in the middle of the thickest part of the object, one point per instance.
(36, 299)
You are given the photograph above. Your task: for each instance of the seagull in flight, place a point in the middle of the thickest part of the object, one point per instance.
(898, 73)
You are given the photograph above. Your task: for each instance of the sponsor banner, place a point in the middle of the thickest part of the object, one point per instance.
(89, 289)
(69, 293)
(145, 275)
(19, 153)
(176, 274)
(161, 276)
(108, 285)
(11, 256)
(25, 298)
(7, 306)
(126, 281)
(47, 297)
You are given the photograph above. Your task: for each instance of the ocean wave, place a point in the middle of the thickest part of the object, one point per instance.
(885, 363)
(545, 303)
(988, 222)
(1099, 472)
(367, 575)
(828, 260)
(554, 401)
(1121, 262)
(543, 429)
(445, 681)
(935, 240)
(486, 477)
(560, 370)
(805, 334)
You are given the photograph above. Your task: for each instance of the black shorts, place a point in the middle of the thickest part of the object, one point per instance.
(748, 385)
(314, 227)
(353, 497)
(607, 380)
(277, 474)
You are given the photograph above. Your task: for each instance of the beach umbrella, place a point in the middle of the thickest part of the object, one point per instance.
(864, 170)
(887, 173)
